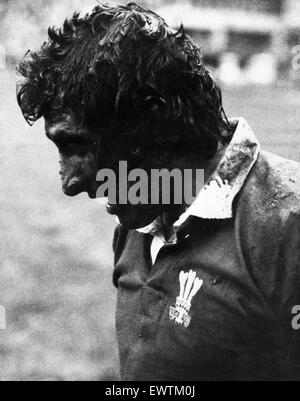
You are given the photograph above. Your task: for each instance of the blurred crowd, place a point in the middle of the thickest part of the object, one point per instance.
(24, 23)
(244, 43)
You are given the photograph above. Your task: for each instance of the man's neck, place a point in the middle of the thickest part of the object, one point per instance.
(169, 217)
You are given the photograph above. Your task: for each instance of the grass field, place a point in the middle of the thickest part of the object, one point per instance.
(55, 252)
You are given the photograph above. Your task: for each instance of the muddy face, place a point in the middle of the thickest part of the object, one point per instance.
(80, 154)
(78, 147)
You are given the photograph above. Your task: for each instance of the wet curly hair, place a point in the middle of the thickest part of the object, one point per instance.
(126, 71)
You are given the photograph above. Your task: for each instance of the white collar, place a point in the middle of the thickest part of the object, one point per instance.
(215, 199)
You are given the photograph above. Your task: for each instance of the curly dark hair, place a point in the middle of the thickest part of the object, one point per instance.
(126, 71)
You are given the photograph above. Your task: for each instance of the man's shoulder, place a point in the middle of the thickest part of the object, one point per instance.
(268, 227)
(274, 185)
(287, 170)
(268, 205)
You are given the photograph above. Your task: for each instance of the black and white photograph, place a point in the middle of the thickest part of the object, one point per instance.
(150, 193)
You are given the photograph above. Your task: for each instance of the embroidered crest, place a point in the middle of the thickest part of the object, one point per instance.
(189, 286)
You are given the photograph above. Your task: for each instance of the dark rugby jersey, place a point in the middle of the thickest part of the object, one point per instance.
(216, 302)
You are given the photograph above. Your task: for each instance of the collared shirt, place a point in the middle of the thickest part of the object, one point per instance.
(215, 199)
(219, 302)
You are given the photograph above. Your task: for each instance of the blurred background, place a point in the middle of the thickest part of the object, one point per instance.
(55, 252)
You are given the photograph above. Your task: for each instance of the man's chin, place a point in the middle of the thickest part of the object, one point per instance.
(133, 223)
(91, 195)
(131, 218)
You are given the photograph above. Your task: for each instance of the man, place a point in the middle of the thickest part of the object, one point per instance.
(205, 291)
